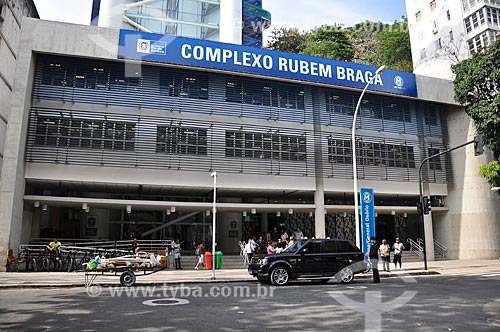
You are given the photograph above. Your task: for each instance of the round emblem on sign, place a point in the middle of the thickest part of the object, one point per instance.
(233, 224)
(398, 80)
(367, 198)
(143, 45)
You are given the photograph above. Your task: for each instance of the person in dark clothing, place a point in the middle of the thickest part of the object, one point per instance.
(275, 236)
(373, 254)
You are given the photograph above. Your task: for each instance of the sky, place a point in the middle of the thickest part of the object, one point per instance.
(301, 14)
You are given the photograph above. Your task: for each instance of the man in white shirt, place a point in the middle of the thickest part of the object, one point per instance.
(385, 254)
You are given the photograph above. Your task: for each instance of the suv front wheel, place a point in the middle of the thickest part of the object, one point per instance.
(346, 275)
(280, 276)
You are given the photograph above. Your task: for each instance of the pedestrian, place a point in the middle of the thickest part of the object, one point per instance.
(270, 248)
(398, 248)
(261, 246)
(200, 255)
(385, 254)
(249, 250)
(373, 255)
(176, 250)
(298, 235)
(275, 236)
(284, 236)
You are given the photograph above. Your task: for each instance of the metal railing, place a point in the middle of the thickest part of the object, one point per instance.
(416, 247)
(439, 249)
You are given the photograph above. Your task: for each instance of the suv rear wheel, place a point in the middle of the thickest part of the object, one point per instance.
(280, 276)
(346, 275)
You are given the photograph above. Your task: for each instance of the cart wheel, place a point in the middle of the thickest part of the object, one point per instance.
(127, 279)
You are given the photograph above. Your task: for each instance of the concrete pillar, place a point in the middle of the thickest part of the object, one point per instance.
(429, 237)
(231, 18)
(319, 212)
(13, 183)
(471, 228)
(264, 222)
(111, 13)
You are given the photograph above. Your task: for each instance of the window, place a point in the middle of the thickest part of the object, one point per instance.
(313, 247)
(339, 103)
(422, 54)
(372, 153)
(344, 246)
(265, 145)
(448, 15)
(430, 117)
(433, 5)
(265, 93)
(468, 24)
(450, 36)
(482, 19)
(183, 84)
(58, 73)
(418, 16)
(329, 247)
(85, 133)
(181, 140)
(434, 163)
(438, 44)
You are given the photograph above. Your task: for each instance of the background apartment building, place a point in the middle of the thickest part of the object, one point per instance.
(444, 32)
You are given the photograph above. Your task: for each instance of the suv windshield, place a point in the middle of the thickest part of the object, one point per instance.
(294, 247)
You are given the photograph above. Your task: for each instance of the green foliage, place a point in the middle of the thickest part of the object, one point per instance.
(287, 40)
(477, 85)
(491, 172)
(394, 48)
(329, 41)
(372, 43)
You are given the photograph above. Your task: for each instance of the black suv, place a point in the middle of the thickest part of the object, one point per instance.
(317, 259)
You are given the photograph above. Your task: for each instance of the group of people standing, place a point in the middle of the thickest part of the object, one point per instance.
(273, 242)
(384, 252)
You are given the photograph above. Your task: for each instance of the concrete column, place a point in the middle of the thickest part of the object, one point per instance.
(13, 183)
(231, 18)
(111, 13)
(429, 237)
(319, 212)
(264, 222)
(471, 227)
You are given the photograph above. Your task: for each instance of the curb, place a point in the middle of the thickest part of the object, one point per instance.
(222, 281)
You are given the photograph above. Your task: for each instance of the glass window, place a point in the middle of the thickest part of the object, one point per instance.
(181, 140)
(345, 246)
(266, 146)
(339, 102)
(313, 247)
(184, 84)
(434, 163)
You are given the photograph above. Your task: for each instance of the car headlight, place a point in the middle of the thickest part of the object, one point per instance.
(264, 261)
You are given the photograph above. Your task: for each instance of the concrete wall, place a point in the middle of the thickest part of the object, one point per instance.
(471, 228)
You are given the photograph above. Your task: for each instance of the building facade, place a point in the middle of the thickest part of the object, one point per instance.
(233, 21)
(446, 32)
(102, 145)
(11, 14)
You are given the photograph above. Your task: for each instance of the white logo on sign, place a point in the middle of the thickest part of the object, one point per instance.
(367, 198)
(398, 80)
(143, 45)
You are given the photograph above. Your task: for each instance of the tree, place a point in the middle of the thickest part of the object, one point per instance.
(329, 41)
(477, 87)
(287, 40)
(394, 48)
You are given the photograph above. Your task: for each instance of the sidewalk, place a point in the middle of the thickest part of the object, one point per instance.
(76, 279)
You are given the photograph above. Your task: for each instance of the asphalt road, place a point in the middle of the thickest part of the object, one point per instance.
(442, 303)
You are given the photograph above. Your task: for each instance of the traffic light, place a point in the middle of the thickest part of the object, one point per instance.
(478, 145)
(426, 202)
(419, 207)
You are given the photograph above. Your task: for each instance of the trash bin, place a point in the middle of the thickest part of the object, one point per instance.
(208, 260)
(218, 260)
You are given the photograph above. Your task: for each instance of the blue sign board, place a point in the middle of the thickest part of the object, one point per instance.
(144, 46)
(367, 218)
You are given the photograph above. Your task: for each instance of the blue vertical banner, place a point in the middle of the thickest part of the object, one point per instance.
(367, 218)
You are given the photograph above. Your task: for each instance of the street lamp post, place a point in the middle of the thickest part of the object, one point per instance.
(353, 146)
(214, 211)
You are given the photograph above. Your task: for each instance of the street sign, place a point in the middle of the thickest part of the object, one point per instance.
(367, 218)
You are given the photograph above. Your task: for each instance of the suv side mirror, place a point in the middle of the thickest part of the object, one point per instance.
(304, 251)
